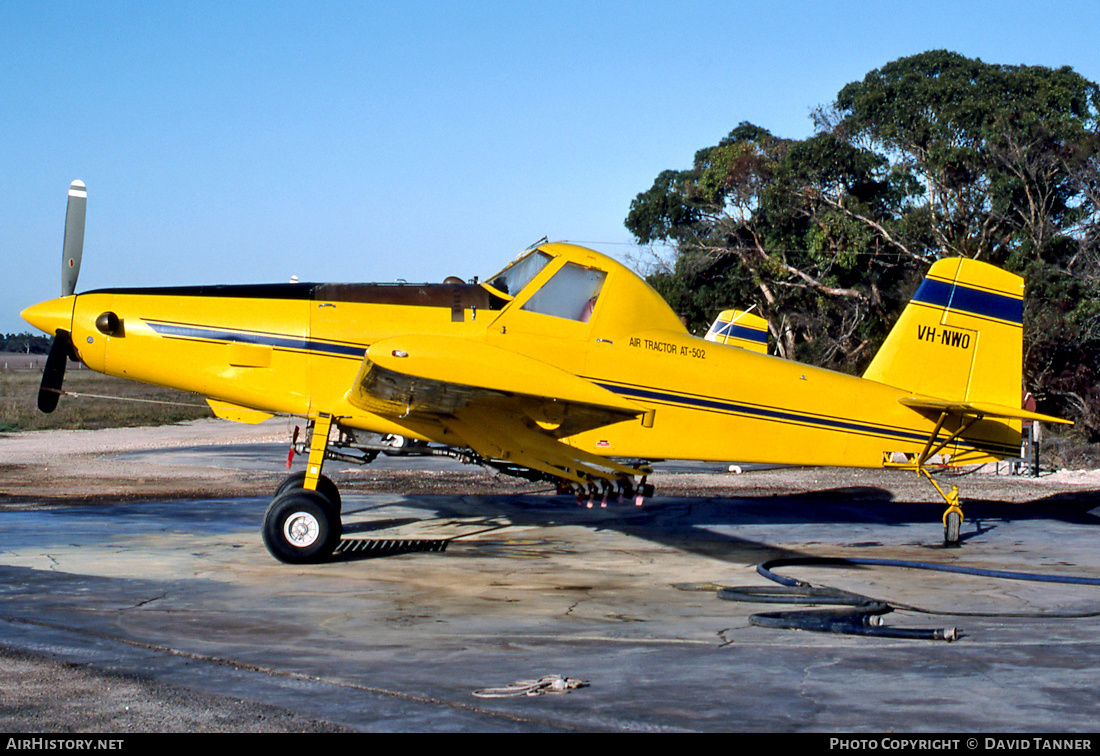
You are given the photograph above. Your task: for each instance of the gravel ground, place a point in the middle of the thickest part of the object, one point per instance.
(43, 695)
(46, 468)
(54, 468)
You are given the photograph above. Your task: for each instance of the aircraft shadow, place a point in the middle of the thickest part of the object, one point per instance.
(684, 523)
(702, 525)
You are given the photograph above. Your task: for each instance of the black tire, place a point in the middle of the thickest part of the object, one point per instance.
(952, 524)
(325, 487)
(301, 527)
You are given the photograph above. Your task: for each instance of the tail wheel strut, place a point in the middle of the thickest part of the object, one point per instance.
(953, 517)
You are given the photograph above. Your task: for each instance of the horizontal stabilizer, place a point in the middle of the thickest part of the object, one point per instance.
(979, 409)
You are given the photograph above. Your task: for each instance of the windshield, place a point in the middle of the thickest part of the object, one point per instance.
(512, 279)
(571, 293)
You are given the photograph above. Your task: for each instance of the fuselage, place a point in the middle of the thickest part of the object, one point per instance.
(296, 349)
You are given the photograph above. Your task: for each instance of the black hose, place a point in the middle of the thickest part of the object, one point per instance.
(865, 616)
(765, 570)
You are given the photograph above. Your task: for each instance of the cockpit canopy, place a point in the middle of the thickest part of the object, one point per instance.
(571, 292)
(519, 273)
(573, 283)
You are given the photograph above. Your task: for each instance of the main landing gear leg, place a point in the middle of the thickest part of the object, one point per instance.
(302, 524)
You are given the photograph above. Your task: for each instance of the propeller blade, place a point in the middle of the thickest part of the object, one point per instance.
(54, 374)
(74, 237)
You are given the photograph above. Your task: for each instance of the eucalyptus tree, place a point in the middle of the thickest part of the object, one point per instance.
(993, 148)
(930, 156)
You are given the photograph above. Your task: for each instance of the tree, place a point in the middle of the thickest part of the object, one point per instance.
(987, 144)
(768, 221)
(24, 343)
(930, 156)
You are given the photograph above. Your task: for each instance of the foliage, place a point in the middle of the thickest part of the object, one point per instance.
(990, 146)
(24, 343)
(930, 156)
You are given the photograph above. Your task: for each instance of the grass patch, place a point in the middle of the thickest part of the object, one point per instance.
(19, 403)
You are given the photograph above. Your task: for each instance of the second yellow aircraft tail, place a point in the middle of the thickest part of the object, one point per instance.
(741, 329)
(960, 338)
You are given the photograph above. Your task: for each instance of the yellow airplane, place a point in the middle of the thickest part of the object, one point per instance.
(565, 366)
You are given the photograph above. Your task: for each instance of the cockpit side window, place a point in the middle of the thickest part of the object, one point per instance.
(512, 279)
(570, 293)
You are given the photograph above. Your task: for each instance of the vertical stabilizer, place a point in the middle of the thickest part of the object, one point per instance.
(960, 338)
(740, 328)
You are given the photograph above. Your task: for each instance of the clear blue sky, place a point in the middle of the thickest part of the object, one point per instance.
(231, 142)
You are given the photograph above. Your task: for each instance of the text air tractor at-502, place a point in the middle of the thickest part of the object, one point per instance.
(564, 366)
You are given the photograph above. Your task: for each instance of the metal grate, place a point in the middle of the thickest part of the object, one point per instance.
(389, 546)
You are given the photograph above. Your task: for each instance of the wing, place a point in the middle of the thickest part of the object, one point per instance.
(503, 405)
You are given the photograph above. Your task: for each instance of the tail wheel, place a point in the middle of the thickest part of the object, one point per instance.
(325, 487)
(301, 527)
(952, 524)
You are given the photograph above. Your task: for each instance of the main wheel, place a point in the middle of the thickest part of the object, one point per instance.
(301, 527)
(325, 487)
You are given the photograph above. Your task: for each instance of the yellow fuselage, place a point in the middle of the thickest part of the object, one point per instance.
(296, 349)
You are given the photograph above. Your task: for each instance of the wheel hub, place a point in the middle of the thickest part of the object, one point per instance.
(301, 529)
